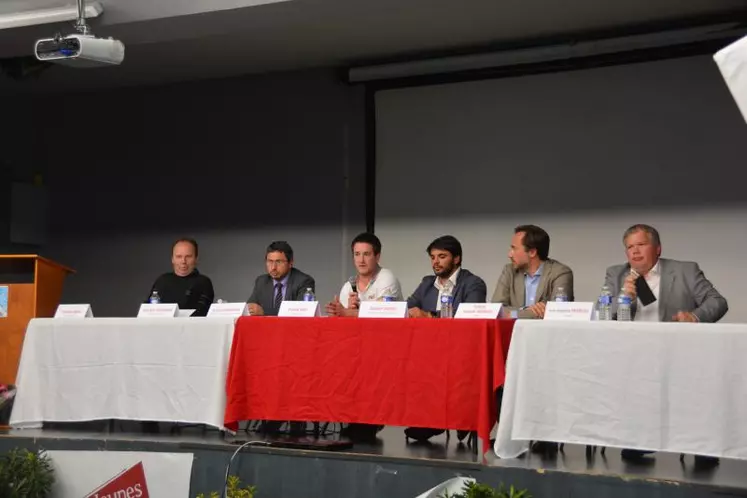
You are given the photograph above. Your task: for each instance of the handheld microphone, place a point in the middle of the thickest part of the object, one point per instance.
(353, 281)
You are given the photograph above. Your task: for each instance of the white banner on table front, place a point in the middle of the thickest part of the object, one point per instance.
(158, 310)
(228, 309)
(100, 474)
(559, 310)
(478, 310)
(299, 308)
(383, 309)
(732, 62)
(74, 311)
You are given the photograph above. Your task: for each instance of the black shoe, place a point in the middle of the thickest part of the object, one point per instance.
(298, 429)
(544, 447)
(462, 435)
(634, 455)
(421, 433)
(361, 432)
(269, 427)
(706, 462)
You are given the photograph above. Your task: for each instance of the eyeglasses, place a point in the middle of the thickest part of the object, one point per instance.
(276, 262)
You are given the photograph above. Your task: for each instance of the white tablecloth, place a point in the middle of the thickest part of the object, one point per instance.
(650, 386)
(161, 369)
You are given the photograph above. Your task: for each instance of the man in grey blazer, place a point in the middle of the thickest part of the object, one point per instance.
(678, 291)
(681, 290)
(282, 282)
(531, 278)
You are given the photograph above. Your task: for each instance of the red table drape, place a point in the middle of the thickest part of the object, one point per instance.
(402, 372)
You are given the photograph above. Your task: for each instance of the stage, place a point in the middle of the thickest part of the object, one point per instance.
(393, 468)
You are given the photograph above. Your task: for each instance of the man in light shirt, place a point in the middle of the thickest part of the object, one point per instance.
(674, 291)
(371, 282)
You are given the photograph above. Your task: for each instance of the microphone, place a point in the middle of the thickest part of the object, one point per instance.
(353, 283)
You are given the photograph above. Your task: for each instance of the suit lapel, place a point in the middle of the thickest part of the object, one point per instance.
(666, 281)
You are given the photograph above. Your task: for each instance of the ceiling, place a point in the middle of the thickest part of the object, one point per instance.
(176, 40)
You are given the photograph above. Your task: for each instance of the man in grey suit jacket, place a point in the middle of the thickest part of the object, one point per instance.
(531, 278)
(282, 282)
(681, 290)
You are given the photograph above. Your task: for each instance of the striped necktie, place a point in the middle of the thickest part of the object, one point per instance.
(278, 295)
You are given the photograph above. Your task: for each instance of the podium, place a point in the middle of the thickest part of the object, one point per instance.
(34, 290)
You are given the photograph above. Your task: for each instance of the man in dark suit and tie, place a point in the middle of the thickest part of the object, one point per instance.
(282, 282)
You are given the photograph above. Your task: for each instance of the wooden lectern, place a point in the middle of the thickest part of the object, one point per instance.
(34, 290)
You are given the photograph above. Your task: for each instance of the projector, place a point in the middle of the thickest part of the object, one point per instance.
(80, 51)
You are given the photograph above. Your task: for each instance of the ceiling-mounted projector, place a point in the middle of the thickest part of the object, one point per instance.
(82, 49)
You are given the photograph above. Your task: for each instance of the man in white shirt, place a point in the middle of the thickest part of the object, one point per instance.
(679, 292)
(371, 283)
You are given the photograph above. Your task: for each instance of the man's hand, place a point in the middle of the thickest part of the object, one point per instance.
(354, 302)
(418, 313)
(685, 316)
(335, 307)
(629, 286)
(255, 309)
(538, 309)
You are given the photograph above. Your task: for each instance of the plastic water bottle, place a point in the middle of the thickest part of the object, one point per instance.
(154, 298)
(604, 305)
(309, 295)
(447, 303)
(561, 295)
(623, 307)
(220, 301)
(389, 298)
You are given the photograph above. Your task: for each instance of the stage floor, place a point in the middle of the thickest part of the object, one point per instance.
(390, 445)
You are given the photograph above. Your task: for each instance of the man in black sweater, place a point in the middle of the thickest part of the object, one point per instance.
(185, 286)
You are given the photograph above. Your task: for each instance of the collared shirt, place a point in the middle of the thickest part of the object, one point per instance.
(384, 284)
(283, 289)
(531, 283)
(650, 313)
(452, 285)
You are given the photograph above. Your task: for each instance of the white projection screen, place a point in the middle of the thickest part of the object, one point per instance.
(583, 154)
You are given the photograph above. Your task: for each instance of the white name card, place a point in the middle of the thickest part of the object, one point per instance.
(580, 312)
(299, 308)
(382, 309)
(158, 310)
(228, 309)
(74, 311)
(489, 311)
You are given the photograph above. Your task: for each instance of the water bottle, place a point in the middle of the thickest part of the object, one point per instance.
(389, 298)
(309, 295)
(220, 301)
(604, 305)
(561, 296)
(154, 298)
(447, 303)
(623, 307)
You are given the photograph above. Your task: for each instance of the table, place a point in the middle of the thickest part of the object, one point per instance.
(675, 387)
(160, 369)
(402, 372)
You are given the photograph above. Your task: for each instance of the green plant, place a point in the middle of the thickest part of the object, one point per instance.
(234, 490)
(475, 490)
(25, 474)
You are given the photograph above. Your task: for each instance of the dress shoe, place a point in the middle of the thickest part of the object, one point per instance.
(633, 455)
(361, 432)
(422, 433)
(706, 462)
(544, 447)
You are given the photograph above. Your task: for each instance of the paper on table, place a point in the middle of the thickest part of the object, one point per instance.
(732, 62)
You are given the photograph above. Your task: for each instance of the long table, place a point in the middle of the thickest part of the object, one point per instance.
(402, 372)
(158, 369)
(676, 387)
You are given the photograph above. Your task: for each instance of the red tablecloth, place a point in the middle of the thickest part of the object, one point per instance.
(402, 372)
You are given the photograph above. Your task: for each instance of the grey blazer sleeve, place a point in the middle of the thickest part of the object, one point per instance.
(255, 297)
(564, 280)
(711, 306)
(303, 284)
(502, 292)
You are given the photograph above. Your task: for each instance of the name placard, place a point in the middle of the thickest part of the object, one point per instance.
(74, 311)
(158, 310)
(228, 309)
(299, 308)
(479, 310)
(580, 312)
(382, 309)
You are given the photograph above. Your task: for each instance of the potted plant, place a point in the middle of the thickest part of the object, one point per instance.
(235, 490)
(25, 474)
(476, 490)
